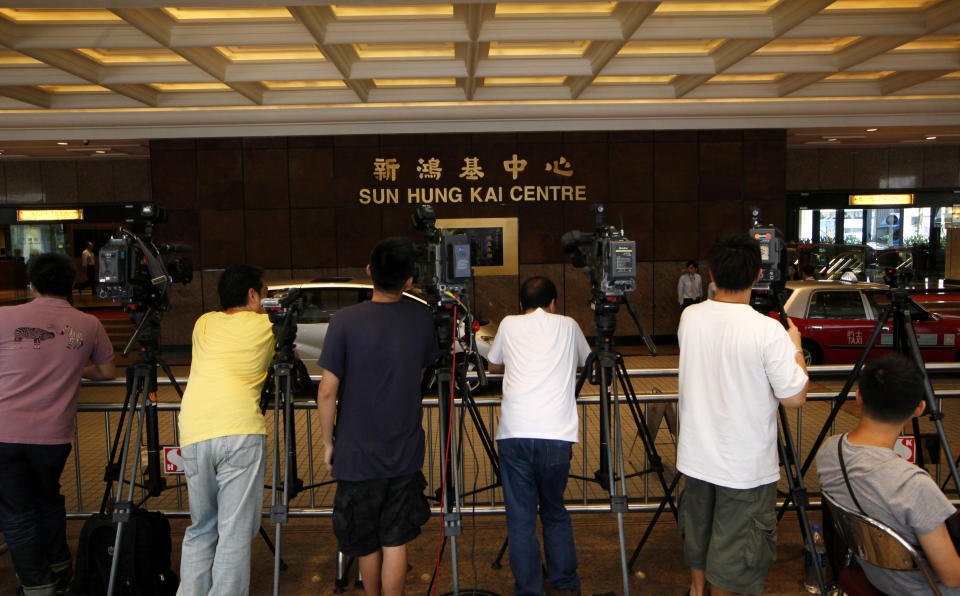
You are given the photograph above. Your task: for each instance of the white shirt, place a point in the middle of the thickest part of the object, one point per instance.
(87, 258)
(540, 352)
(734, 365)
(689, 286)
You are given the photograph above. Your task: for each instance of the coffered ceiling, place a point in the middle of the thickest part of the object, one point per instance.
(148, 69)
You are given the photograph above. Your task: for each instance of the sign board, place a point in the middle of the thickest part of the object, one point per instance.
(906, 447)
(172, 461)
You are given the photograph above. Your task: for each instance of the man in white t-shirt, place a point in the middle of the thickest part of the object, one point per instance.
(539, 353)
(736, 367)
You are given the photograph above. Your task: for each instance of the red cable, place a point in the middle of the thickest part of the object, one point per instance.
(446, 455)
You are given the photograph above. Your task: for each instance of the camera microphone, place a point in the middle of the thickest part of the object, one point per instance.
(165, 248)
(282, 302)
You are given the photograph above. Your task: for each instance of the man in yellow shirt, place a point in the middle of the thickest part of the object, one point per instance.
(223, 437)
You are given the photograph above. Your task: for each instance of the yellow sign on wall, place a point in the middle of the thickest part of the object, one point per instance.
(876, 200)
(49, 214)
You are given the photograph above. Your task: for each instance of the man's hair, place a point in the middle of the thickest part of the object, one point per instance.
(235, 282)
(891, 387)
(52, 274)
(735, 262)
(537, 292)
(691, 262)
(392, 263)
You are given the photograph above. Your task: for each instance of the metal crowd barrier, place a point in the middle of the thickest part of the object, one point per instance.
(643, 491)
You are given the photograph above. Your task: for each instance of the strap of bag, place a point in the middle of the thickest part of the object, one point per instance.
(846, 479)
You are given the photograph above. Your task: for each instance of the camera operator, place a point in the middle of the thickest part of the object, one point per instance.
(736, 367)
(539, 351)
(890, 489)
(223, 436)
(44, 349)
(374, 354)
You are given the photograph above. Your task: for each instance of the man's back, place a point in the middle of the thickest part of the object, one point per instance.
(890, 490)
(734, 362)
(541, 352)
(44, 346)
(377, 350)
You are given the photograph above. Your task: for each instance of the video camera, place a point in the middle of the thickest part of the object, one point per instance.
(283, 310)
(133, 270)
(443, 262)
(773, 254)
(607, 257)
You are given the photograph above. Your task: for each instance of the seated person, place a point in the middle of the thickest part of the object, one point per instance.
(886, 487)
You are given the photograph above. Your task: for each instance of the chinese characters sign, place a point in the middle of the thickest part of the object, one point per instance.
(470, 169)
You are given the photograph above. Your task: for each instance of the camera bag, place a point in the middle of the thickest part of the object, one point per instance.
(144, 565)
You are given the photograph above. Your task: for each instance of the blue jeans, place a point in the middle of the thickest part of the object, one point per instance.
(32, 512)
(225, 487)
(534, 474)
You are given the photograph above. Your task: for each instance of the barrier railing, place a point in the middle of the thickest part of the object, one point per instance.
(643, 490)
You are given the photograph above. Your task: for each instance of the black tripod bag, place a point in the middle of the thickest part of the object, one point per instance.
(144, 566)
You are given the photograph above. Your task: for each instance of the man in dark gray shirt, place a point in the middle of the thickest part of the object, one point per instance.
(886, 487)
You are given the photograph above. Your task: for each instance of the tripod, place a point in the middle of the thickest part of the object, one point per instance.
(904, 341)
(140, 400)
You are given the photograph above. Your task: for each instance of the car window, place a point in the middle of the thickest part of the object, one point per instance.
(321, 303)
(880, 300)
(836, 305)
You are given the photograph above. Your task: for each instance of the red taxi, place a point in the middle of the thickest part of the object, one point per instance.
(837, 318)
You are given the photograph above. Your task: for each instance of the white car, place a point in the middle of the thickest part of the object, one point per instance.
(323, 297)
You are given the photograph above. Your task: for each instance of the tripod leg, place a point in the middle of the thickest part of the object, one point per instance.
(112, 462)
(498, 562)
(271, 547)
(618, 501)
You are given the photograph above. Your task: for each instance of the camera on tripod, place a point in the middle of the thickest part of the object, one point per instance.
(443, 262)
(134, 270)
(608, 258)
(766, 295)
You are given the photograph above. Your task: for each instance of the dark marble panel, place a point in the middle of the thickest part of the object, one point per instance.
(187, 301)
(577, 216)
(539, 233)
(576, 290)
(941, 167)
(496, 296)
(313, 235)
(59, 181)
(676, 136)
(399, 140)
(220, 182)
(778, 135)
(358, 230)
(222, 240)
(131, 180)
(674, 237)
(675, 171)
(209, 280)
(182, 227)
(717, 220)
(265, 179)
(354, 171)
(764, 169)
(311, 177)
(871, 168)
(459, 139)
(721, 171)
(803, 169)
(272, 276)
(265, 142)
(309, 142)
(591, 168)
(313, 273)
(268, 237)
(407, 176)
(395, 220)
(214, 144)
(95, 181)
(3, 185)
(491, 157)
(721, 136)
(538, 155)
(641, 300)
(359, 272)
(631, 172)
(586, 136)
(356, 141)
(638, 225)
(631, 136)
(24, 182)
(540, 137)
(906, 167)
(666, 314)
(495, 210)
(172, 145)
(836, 168)
(174, 177)
(493, 138)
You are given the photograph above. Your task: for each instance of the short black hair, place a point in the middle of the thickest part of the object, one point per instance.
(537, 292)
(891, 387)
(52, 274)
(691, 262)
(392, 263)
(735, 262)
(235, 282)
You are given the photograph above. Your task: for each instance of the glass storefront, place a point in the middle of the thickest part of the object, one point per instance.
(28, 240)
(880, 228)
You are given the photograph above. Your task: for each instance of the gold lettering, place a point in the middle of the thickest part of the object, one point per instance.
(567, 193)
(528, 193)
(516, 193)
(581, 192)
(456, 195)
(475, 194)
(415, 195)
(543, 194)
(364, 196)
(491, 195)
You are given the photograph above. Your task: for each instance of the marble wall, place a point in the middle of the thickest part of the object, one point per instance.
(873, 168)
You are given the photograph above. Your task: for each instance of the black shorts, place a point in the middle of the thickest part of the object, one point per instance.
(370, 514)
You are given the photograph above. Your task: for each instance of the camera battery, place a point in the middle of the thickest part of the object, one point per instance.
(457, 248)
(621, 259)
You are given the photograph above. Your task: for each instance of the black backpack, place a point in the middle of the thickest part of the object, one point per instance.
(144, 565)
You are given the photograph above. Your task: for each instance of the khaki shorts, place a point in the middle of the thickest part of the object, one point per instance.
(729, 533)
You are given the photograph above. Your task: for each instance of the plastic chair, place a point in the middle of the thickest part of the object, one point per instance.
(877, 544)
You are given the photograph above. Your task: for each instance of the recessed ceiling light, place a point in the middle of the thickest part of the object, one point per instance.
(100, 151)
(832, 140)
(931, 138)
(871, 130)
(62, 143)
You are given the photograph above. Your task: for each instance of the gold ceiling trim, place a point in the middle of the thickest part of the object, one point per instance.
(538, 9)
(112, 56)
(679, 47)
(748, 78)
(541, 48)
(879, 5)
(188, 87)
(302, 85)
(523, 81)
(746, 7)
(425, 82)
(634, 80)
(368, 51)
(819, 45)
(859, 76)
(50, 16)
(191, 14)
(65, 89)
(931, 43)
(270, 53)
(16, 58)
(342, 11)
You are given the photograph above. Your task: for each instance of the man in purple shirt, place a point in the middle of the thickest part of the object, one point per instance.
(45, 347)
